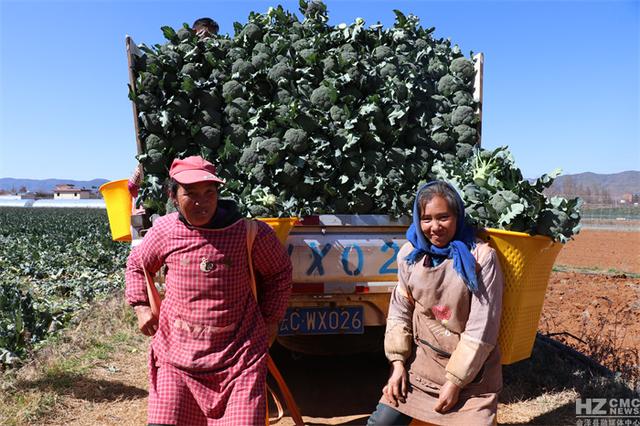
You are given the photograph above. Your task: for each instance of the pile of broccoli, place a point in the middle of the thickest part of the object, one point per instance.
(307, 118)
(322, 119)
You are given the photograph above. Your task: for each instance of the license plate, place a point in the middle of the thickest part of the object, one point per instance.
(323, 320)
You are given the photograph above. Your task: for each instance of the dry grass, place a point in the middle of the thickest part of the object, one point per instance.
(603, 336)
(543, 389)
(86, 374)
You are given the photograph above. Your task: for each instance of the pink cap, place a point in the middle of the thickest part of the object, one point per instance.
(193, 169)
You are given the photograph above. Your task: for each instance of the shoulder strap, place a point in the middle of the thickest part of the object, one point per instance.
(252, 231)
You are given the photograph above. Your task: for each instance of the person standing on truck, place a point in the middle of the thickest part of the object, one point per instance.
(443, 321)
(205, 27)
(207, 360)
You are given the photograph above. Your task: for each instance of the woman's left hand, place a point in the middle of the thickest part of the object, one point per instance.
(449, 394)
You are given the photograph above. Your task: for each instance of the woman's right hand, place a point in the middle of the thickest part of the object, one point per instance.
(396, 388)
(147, 323)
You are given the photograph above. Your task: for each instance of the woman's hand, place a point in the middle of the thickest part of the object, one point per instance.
(449, 394)
(396, 388)
(147, 324)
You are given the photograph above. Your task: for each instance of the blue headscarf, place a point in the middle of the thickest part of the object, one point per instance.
(458, 249)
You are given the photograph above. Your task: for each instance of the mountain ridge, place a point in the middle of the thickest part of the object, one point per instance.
(47, 185)
(614, 184)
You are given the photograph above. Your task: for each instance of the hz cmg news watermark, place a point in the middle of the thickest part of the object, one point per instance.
(608, 412)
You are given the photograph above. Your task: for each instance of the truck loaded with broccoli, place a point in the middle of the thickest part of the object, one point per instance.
(320, 118)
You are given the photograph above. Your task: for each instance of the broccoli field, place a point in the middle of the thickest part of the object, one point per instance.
(306, 118)
(53, 263)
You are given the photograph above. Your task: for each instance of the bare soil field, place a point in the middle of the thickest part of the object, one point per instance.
(603, 250)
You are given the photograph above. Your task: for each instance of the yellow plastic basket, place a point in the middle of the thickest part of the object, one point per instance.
(282, 225)
(118, 201)
(526, 264)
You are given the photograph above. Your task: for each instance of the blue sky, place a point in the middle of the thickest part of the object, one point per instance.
(561, 84)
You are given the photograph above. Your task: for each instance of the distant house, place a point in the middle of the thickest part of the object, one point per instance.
(70, 192)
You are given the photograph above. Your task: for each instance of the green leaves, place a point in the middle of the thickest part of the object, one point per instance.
(53, 262)
(497, 196)
(170, 34)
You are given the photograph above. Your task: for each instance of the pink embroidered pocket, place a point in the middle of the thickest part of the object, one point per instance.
(441, 312)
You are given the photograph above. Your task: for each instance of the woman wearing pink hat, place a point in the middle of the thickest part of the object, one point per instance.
(207, 362)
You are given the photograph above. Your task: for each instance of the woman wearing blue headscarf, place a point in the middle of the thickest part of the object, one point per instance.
(443, 321)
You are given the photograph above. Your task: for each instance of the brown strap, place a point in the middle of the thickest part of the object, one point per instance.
(278, 406)
(252, 230)
(152, 294)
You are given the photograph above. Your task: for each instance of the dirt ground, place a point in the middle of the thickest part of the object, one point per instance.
(604, 250)
(591, 311)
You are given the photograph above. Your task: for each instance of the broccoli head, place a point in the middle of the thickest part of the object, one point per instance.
(315, 9)
(348, 54)
(236, 53)
(259, 172)
(307, 54)
(154, 162)
(502, 200)
(436, 67)
(382, 53)
(448, 85)
(463, 115)
(329, 65)
(442, 141)
(464, 151)
(262, 48)
(243, 68)
(147, 82)
(251, 32)
(217, 75)
(466, 134)
(232, 89)
(191, 69)
(151, 122)
(259, 60)
(155, 142)
(270, 145)
(323, 97)
(184, 34)
(388, 70)
(462, 97)
(279, 71)
(249, 158)
(296, 140)
(237, 134)
(236, 111)
(208, 136)
(290, 171)
(284, 96)
(146, 102)
(338, 114)
(463, 68)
